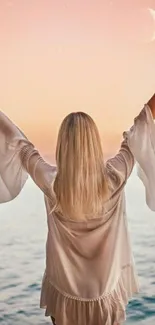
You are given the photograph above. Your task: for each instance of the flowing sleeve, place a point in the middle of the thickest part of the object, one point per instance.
(18, 158)
(123, 162)
(141, 141)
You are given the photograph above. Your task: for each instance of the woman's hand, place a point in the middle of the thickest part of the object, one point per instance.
(151, 104)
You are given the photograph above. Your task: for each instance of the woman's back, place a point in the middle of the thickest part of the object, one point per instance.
(88, 257)
(89, 274)
(89, 264)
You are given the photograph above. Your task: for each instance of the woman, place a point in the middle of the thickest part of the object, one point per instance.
(90, 273)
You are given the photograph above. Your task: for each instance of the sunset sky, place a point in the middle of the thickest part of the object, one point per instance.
(58, 56)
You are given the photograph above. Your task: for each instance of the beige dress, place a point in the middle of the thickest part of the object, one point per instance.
(90, 273)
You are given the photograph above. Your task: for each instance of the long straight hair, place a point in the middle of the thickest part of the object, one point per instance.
(80, 185)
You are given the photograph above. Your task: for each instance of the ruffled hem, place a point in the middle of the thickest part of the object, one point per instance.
(109, 309)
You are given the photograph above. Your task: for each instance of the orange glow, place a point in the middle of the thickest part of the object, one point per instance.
(61, 56)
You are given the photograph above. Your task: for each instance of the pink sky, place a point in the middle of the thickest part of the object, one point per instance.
(60, 56)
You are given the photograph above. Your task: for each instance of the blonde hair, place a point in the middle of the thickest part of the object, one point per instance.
(80, 185)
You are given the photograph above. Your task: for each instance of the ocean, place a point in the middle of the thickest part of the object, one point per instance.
(23, 232)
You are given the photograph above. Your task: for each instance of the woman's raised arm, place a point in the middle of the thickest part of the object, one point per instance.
(18, 157)
(140, 140)
(134, 141)
(40, 171)
(123, 162)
